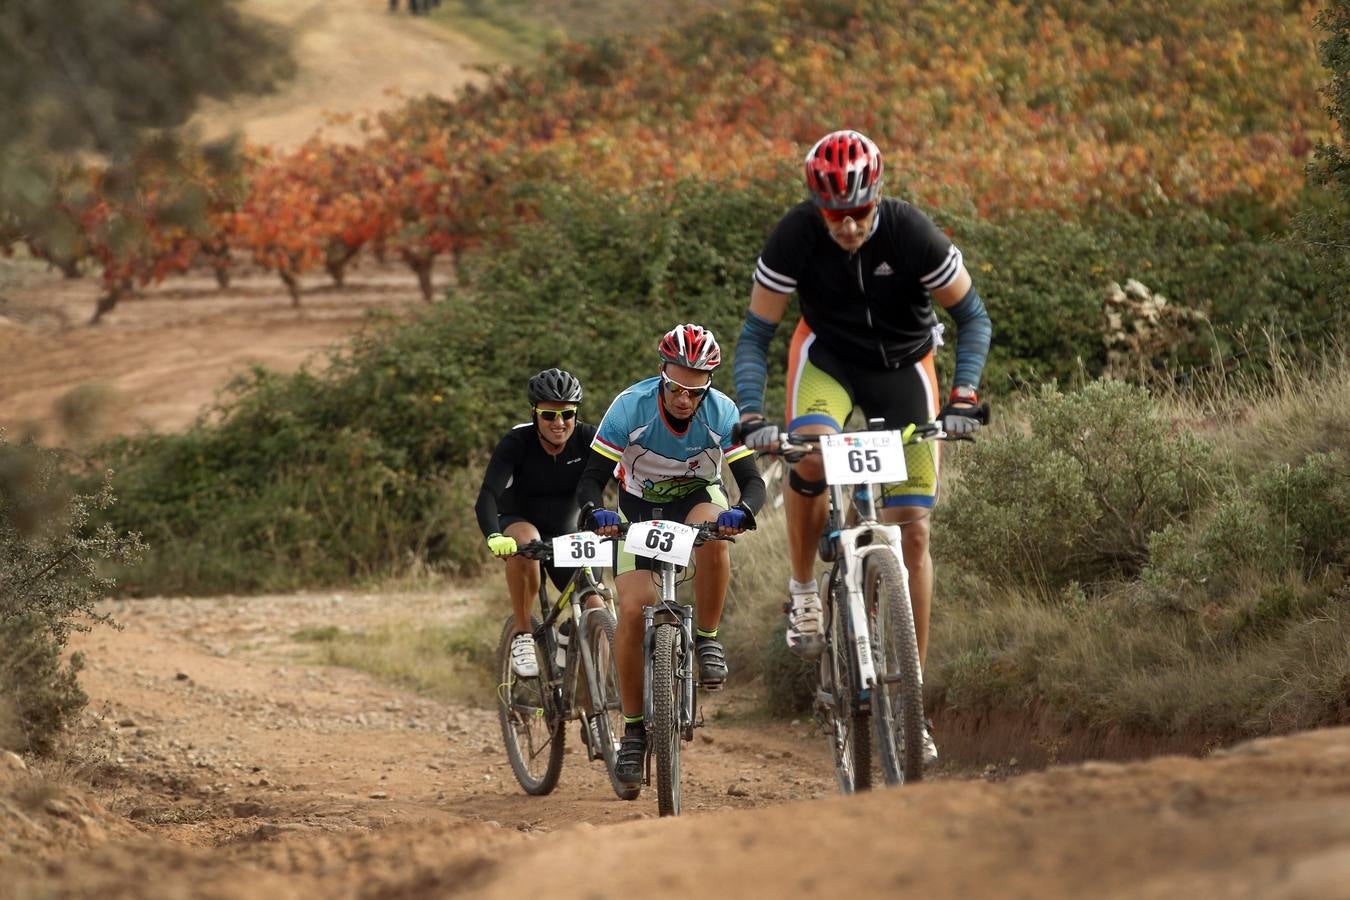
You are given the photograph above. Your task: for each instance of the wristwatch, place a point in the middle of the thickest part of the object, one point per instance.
(964, 393)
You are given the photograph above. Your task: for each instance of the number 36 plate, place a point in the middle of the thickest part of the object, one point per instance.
(867, 457)
(660, 540)
(576, 551)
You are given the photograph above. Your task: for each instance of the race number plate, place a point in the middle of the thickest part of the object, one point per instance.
(575, 551)
(661, 540)
(867, 457)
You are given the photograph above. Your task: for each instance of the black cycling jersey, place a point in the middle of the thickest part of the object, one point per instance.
(871, 307)
(524, 481)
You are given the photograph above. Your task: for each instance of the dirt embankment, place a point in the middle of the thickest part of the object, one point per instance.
(219, 763)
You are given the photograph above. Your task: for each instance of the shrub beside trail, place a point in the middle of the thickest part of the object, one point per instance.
(50, 580)
(1167, 579)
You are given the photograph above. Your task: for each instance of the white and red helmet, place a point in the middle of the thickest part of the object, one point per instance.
(843, 170)
(691, 346)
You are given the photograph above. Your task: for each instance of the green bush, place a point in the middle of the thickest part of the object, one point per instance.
(1078, 497)
(1286, 519)
(371, 467)
(49, 583)
(1043, 279)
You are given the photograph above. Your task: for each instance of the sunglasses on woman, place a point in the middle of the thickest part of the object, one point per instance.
(568, 413)
(857, 213)
(679, 390)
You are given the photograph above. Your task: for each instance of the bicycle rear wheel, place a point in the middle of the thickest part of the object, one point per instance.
(664, 728)
(898, 707)
(851, 732)
(605, 706)
(532, 730)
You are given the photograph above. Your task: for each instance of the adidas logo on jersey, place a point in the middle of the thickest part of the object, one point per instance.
(883, 269)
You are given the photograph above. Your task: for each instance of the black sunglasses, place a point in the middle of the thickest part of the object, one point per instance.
(548, 415)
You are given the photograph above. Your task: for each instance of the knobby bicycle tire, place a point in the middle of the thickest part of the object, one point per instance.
(532, 728)
(605, 706)
(852, 740)
(664, 729)
(897, 710)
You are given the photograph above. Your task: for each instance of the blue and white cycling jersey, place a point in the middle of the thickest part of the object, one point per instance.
(657, 463)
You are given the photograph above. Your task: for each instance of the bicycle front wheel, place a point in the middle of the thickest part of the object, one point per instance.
(850, 729)
(664, 728)
(532, 729)
(605, 706)
(898, 708)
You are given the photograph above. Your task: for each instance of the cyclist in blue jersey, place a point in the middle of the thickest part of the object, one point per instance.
(665, 439)
(866, 270)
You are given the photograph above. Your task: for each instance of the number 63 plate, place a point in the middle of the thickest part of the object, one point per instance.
(661, 540)
(865, 457)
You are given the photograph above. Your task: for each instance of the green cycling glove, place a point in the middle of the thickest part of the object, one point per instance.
(501, 545)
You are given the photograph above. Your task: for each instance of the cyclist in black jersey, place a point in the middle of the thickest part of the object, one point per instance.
(529, 492)
(866, 270)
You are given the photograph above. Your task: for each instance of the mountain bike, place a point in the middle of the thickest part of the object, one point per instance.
(670, 667)
(577, 679)
(870, 679)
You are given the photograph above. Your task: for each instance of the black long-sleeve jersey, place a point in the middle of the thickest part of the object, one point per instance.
(523, 480)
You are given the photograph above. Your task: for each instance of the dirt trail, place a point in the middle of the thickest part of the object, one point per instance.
(210, 735)
(223, 765)
(353, 57)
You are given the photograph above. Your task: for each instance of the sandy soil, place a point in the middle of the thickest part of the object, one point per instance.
(160, 358)
(217, 762)
(353, 57)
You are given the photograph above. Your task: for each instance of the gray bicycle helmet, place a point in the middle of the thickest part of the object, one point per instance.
(554, 386)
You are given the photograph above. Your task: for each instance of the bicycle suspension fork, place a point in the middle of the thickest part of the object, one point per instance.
(672, 613)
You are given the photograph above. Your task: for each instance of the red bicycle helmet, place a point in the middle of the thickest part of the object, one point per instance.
(843, 170)
(691, 346)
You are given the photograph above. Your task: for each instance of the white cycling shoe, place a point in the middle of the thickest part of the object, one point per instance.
(523, 661)
(805, 625)
(930, 754)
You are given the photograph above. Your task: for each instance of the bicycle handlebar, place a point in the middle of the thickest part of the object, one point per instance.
(792, 445)
(537, 550)
(707, 531)
(543, 550)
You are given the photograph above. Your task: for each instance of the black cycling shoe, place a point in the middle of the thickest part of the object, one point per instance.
(632, 754)
(712, 663)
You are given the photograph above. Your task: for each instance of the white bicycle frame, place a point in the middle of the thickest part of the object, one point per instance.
(885, 538)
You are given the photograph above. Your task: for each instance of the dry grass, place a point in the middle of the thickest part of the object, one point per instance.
(449, 662)
(1263, 650)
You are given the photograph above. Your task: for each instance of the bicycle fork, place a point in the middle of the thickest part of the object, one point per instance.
(667, 611)
(882, 539)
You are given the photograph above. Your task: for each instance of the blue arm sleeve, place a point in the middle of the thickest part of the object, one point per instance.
(973, 333)
(752, 362)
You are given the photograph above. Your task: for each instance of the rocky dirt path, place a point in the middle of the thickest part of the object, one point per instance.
(218, 763)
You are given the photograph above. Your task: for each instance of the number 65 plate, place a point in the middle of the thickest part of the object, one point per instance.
(866, 457)
(576, 551)
(661, 540)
